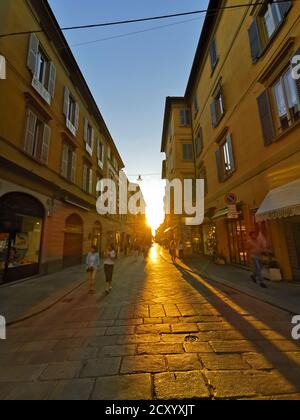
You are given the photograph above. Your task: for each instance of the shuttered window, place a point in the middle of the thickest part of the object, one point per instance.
(37, 138)
(69, 163)
(199, 141)
(213, 54)
(89, 137)
(265, 26)
(266, 117)
(42, 69)
(187, 152)
(217, 108)
(71, 112)
(87, 179)
(185, 118)
(225, 159)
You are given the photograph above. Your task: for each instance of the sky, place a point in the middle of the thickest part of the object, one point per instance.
(131, 76)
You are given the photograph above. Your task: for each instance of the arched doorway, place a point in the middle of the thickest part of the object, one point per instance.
(21, 225)
(97, 236)
(73, 241)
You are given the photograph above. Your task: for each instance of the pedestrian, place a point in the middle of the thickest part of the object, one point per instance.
(137, 252)
(110, 257)
(256, 248)
(145, 252)
(181, 250)
(173, 251)
(93, 264)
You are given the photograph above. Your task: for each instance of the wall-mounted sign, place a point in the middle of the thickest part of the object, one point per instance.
(233, 212)
(231, 199)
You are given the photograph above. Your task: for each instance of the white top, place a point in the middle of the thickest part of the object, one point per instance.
(110, 258)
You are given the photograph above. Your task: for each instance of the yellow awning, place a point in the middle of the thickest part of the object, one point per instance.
(281, 203)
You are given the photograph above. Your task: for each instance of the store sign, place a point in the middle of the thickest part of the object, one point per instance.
(233, 212)
(231, 199)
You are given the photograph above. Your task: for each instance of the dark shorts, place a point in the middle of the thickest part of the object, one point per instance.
(109, 270)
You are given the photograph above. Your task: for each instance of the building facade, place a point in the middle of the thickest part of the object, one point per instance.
(244, 99)
(55, 147)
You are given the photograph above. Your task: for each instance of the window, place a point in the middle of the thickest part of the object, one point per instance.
(225, 159)
(217, 108)
(287, 100)
(88, 137)
(265, 25)
(87, 178)
(100, 153)
(285, 93)
(42, 69)
(187, 152)
(71, 112)
(109, 153)
(185, 118)
(196, 104)
(213, 54)
(37, 138)
(202, 174)
(68, 167)
(199, 142)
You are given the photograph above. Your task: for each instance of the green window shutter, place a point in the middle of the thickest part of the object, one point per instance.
(266, 118)
(219, 160)
(255, 41)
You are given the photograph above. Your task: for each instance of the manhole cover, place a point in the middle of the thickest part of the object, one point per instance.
(191, 339)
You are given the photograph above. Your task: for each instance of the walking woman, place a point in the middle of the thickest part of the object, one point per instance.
(109, 263)
(93, 264)
(173, 252)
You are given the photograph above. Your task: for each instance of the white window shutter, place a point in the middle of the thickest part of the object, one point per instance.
(33, 52)
(85, 132)
(91, 181)
(77, 111)
(52, 80)
(66, 102)
(46, 144)
(64, 161)
(73, 169)
(30, 132)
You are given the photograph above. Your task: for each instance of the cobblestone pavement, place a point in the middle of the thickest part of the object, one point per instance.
(163, 333)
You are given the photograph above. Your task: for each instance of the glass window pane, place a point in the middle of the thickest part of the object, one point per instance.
(279, 95)
(291, 89)
(269, 23)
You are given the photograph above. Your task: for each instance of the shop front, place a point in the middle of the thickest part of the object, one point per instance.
(21, 227)
(281, 211)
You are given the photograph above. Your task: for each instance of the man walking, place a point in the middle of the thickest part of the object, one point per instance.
(256, 248)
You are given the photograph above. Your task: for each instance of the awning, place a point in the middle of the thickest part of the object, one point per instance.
(280, 203)
(221, 213)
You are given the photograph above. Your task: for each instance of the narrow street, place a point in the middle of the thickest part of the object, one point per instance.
(163, 333)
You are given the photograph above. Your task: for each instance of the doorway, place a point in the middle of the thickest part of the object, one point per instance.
(73, 241)
(237, 237)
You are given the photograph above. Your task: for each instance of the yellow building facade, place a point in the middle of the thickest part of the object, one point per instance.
(55, 147)
(244, 98)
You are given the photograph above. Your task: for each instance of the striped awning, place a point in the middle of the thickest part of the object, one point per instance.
(281, 203)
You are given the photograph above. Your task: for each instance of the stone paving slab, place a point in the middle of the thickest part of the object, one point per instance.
(162, 333)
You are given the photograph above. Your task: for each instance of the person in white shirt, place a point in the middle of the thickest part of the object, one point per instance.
(93, 264)
(109, 263)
